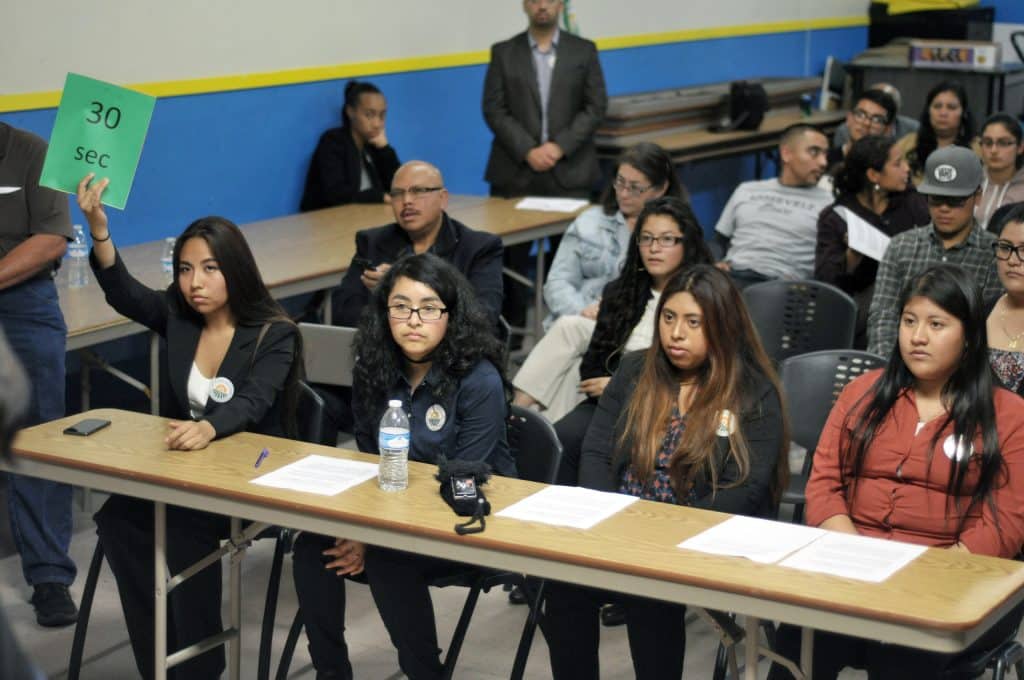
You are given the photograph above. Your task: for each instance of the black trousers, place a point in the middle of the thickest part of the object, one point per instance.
(399, 582)
(571, 430)
(834, 652)
(125, 529)
(321, 595)
(656, 629)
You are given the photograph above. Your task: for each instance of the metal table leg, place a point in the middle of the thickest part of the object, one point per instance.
(751, 647)
(235, 580)
(159, 591)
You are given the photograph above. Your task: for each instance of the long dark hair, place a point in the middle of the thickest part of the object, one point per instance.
(627, 295)
(867, 153)
(468, 339)
(967, 393)
(926, 139)
(249, 301)
(1013, 126)
(355, 89)
(727, 380)
(651, 161)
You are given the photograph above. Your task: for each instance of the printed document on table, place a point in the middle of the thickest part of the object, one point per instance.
(321, 475)
(760, 540)
(566, 205)
(863, 237)
(570, 506)
(857, 557)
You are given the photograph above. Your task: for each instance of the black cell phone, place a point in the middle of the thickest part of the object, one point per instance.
(362, 262)
(86, 427)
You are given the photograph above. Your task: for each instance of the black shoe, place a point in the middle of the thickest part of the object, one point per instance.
(54, 606)
(516, 596)
(612, 615)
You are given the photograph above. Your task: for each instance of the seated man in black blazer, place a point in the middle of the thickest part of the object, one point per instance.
(419, 199)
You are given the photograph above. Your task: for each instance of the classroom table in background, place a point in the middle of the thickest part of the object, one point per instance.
(296, 254)
(942, 601)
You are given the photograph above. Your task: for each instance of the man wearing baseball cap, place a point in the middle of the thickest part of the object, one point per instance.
(952, 182)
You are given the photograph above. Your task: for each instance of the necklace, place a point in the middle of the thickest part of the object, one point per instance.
(1013, 339)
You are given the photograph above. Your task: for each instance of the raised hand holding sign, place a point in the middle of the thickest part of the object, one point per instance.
(100, 128)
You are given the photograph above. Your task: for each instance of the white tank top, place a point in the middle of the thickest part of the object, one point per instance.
(198, 391)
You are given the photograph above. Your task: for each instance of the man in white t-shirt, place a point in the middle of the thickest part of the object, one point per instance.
(769, 227)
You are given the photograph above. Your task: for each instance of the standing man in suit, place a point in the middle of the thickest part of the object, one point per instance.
(544, 97)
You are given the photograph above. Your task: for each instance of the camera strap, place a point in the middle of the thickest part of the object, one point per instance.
(479, 512)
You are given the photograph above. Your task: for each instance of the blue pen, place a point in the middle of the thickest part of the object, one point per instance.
(262, 457)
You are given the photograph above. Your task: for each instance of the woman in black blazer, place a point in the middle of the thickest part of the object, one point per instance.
(696, 419)
(220, 321)
(353, 163)
(1005, 312)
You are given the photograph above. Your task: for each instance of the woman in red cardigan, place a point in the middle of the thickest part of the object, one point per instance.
(927, 450)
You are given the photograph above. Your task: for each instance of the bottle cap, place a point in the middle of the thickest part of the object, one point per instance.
(395, 403)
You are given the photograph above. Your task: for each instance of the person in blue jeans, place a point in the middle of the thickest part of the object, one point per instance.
(35, 226)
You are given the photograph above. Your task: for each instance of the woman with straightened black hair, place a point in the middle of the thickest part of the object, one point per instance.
(353, 163)
(945, 120)
(667, 238)
(697, 420)
(872, 185)
(425, 340)
(234, 360)
(928, 450)
(590, 255)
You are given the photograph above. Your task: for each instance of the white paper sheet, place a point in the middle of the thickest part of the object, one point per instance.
(320, 475)
(760, 540)
(863, 237)
(857, 557)
(570, 506)
(8, 190)
(566, 205)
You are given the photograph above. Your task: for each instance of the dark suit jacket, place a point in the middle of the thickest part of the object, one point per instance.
(336, 171)
(512, 109)
(604, 458)
(476, 254)
(258, 380)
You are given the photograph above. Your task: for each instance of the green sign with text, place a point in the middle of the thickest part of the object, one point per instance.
(100, 128)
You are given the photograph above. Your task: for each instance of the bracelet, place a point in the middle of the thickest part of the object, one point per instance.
(99, 240)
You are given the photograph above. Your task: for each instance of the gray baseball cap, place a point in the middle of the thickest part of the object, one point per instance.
(951, 171)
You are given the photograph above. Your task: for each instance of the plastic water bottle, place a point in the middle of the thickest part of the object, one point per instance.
(393, 442)
(78, 259)
(167, 260)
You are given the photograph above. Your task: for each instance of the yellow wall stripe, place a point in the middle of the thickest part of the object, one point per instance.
(174, 88)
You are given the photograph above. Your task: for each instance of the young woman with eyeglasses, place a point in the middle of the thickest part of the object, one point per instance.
(1005, 313)
(928, 450)
(590, 255)
(666, 239)
(424, 340)
(1002, 153)
(697, 420)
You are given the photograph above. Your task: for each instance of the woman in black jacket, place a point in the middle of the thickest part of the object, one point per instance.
(696, 419)
(353, 163)
(233, 362)
(667, 238)
(1005, 313)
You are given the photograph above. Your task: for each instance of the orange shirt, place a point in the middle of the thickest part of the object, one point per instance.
(901, 495)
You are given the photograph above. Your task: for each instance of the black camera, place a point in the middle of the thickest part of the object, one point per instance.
(460, 489)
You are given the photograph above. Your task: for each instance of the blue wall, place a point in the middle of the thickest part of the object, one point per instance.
(244, 154)
(1007, 11)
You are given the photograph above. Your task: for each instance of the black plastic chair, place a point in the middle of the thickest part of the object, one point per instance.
(796, 317)
(311, 428)
(1010, 654)
(812, 383)
(538, 453)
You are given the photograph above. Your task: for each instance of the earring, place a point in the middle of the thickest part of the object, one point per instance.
(878, 189)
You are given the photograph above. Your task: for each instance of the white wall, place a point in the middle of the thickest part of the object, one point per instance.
(148, 41)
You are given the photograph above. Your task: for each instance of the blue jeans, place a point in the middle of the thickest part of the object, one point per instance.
(40, 510)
